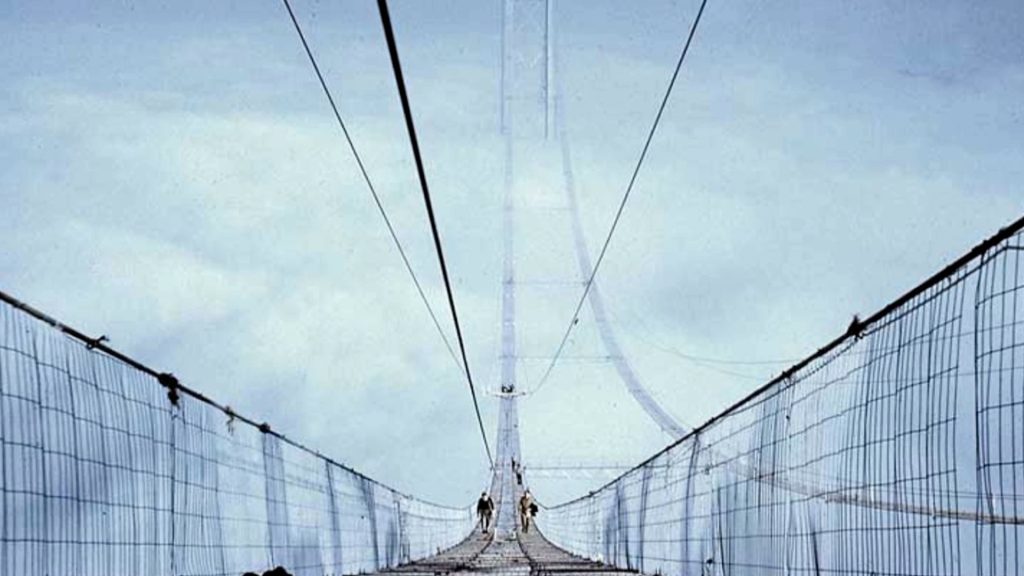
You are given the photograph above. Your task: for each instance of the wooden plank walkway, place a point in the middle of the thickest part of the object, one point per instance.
(528, 555)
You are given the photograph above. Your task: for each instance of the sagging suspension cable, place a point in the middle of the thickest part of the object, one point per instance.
(625, 197)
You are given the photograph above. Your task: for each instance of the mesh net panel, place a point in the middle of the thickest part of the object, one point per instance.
(874, 458)
(101, 473)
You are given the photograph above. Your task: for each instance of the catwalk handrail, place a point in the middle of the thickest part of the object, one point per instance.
(99, 345)
(856, 328)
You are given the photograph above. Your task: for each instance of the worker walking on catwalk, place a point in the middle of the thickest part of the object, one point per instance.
(485, 510)
(526, 507)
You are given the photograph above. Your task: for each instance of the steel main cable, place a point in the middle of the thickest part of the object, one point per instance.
(396, 66)
(625, 198)
(369, 183)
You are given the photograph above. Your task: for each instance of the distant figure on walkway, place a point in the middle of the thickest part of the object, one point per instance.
(525, 506)
(485, 510)
(518, 471)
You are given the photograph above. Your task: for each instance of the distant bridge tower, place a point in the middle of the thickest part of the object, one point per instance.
(528, 68)
(532, 121)
(527, 112)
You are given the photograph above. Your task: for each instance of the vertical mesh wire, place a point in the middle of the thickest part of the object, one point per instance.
(999, 419)
(101, 473)
(898, 451)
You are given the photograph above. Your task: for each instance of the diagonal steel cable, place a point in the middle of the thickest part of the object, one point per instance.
(369, 183)
(403, 95)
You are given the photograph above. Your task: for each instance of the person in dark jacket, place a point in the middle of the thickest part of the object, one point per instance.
(485, 510)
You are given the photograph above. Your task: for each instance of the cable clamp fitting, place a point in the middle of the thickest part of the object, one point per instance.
(856, 327)
(169, 381)
(91, 344)
(230, 424)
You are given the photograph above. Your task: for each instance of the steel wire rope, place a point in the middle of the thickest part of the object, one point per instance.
(643, 334)
(403, 95)
(175, 388)
(625, 198)
(658, 343)
(844, 342)
(369, 183)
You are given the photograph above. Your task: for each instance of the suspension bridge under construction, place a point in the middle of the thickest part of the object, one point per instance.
(895, 449)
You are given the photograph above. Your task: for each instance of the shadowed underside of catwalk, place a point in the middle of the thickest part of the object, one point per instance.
(529, 554)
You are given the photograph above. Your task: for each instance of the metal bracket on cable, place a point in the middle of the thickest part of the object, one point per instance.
(96, 342)
(230, 424)
(169, 381)
(856, 327)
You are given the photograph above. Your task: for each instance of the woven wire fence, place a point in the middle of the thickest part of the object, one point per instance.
(107, 468)
(898, 449)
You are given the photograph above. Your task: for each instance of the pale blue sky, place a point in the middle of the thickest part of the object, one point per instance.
(170, 176)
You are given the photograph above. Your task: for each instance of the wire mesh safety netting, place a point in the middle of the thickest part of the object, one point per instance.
(898, 449)
(108, 468)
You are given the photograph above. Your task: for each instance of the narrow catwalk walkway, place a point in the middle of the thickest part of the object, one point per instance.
(528, 555)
